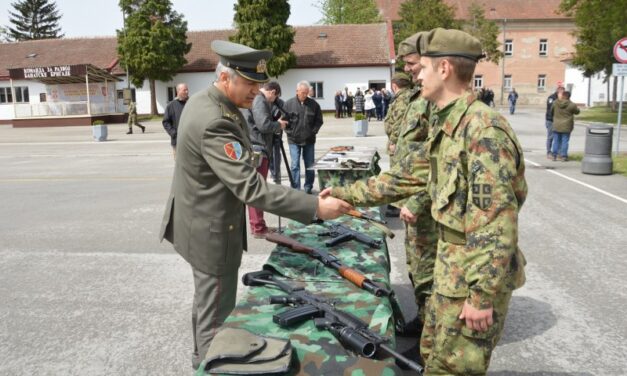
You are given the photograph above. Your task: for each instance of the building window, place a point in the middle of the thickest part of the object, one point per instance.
(171, 93)
(544, 43)
(541, 82)
(507, 82)
(21, 94)
(478, 81)
(509, 47)
(5, 95)
(120, 95)
(317, 89)
(42, 97)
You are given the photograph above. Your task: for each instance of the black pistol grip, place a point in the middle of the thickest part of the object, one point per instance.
(295, 315)
(339, 239)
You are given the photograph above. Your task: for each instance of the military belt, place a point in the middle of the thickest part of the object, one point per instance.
(450, 235)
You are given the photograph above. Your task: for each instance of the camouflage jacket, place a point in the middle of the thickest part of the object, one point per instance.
(477, 186)
(394, 118)
(405, 179)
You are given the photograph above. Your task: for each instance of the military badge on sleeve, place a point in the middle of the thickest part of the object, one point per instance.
(233, 150)
(482, 195)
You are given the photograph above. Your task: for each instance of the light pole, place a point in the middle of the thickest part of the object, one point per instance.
(503, 66)
(128, 82)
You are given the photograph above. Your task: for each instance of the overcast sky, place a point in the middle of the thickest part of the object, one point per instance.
(102, 17)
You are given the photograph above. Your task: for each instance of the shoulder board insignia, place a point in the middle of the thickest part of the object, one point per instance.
(233, 150)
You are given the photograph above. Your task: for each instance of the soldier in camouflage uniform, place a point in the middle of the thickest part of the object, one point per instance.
(401, 85)
(477, 187)
(406, 181)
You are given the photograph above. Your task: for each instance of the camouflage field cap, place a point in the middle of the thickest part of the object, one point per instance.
(408, 46)
(247, 62)
(401, 76)
(449, 42)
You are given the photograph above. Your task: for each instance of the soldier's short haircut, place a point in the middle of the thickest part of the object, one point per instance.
(464, 68)
(303, 84)
(566, 94)
(223, 68)
(273, 85)
(401, 82)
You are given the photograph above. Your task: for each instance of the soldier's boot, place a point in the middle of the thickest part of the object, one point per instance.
(142, 127)
(130, 130)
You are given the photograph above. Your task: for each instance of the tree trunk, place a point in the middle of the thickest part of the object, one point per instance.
(153, 97)
(614, 96)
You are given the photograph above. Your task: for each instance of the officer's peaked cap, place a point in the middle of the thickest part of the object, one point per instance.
(247, 62)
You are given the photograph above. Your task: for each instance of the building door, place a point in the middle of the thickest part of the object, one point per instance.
(376, 84)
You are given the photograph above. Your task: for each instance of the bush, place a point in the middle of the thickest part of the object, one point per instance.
(98, 122)
(359, 116)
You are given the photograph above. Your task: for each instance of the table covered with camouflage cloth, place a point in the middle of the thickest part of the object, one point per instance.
(317, 352)
(344, 167)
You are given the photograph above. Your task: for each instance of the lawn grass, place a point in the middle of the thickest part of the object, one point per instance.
(149, 118)
(601, 114)
(620, 162)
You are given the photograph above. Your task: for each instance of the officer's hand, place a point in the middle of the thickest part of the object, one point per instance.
(331, 208)
(407, 216)
(325, 192)
(282, 123)
(392, 149)
(477, 319)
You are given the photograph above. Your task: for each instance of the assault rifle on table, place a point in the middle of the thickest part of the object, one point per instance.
(376, 222)
(342, 233)
(331, 261)
(351, 331)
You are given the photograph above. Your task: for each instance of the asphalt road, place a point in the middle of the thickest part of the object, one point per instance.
(86, 287)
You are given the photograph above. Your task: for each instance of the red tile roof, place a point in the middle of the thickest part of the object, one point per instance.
(314, 46)
(510, 9)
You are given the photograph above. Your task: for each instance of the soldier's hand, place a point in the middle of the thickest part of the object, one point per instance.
(330, 207)
(283, 123)
(477, 319)
(325, 192)
(407, 216)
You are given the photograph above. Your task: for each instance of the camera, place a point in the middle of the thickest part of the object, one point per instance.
(280, 113)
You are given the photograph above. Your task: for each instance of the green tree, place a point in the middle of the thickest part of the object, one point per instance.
(599, 25)
(34, 19)
(349, 12)
(486, 31)
(422, 15)
(153, 43)
(262, 24)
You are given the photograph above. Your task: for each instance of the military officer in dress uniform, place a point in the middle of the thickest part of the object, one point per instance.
(215, 176)
(477, 187)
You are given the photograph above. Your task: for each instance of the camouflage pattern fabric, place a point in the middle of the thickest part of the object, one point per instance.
(317, 352)
(338, 177)
(477, 187)
(393, 120)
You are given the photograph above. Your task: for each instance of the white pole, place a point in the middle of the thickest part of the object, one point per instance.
(87, 86)
(13, 99)
(620, 113)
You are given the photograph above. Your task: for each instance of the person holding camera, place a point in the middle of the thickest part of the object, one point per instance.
(263, 127)
(301, 136)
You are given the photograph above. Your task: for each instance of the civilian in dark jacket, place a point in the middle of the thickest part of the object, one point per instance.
(262, 129)
(549, 119)
(172, 113)
(301, 137)
(359, 102)
(377, 98)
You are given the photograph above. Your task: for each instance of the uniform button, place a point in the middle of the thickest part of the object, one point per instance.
(230, 227)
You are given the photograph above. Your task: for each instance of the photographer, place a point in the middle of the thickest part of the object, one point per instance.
(262, 127)
(301, 136)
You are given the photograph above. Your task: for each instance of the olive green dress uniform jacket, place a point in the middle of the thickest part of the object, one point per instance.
(477, 187)
(214, 177)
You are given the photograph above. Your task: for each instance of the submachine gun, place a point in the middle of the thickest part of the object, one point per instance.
(331, 261)
(346, 327)
(342, 233)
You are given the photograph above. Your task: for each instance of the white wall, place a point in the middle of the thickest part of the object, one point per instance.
(598, 88)
(195, 82)
(34, 89)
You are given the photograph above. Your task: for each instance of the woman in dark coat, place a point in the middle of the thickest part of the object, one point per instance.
(359, 102)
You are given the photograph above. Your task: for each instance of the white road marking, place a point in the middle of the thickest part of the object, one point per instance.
(579, 182)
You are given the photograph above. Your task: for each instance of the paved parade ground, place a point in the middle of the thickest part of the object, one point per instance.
(86, 287)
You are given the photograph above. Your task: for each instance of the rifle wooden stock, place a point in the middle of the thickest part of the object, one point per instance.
(376, 222)
(357, 278)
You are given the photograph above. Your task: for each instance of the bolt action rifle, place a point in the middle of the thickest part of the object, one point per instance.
(331, 261)
(342, 233)
(351, 331)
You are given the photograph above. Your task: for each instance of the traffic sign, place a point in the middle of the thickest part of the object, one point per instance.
(620, 50)
(619, 70)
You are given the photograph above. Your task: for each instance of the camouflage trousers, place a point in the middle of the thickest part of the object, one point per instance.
(420, 247)
(449, 347)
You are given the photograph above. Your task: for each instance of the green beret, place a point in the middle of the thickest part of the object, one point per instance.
(449, 42)
(247, 62)
(401, 76)
(408, 46)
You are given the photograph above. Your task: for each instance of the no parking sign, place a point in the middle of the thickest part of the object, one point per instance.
(620, 51)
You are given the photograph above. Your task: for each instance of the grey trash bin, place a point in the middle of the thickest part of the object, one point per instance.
(597, 159)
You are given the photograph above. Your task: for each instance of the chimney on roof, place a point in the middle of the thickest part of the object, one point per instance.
(322, 35)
